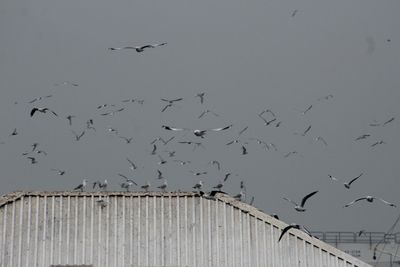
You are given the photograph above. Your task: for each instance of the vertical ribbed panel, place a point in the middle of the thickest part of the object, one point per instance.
(148, 230)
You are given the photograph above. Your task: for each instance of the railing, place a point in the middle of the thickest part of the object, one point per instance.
(356, 237)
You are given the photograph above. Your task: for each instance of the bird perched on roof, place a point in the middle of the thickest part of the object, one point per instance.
(146, 186)
(102, 186)
(164, 186)
(128, 182)
(370, 199)
(240, 196)
(196, 132)
(82, 186)
(42, 110)
(198, 186)
(300, 207)
(138, 49)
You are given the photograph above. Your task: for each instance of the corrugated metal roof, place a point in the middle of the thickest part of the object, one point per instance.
(151, 229)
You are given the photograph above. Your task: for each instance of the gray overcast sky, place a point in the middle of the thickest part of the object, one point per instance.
(246, 56)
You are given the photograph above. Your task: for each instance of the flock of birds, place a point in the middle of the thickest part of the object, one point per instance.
(266, 116)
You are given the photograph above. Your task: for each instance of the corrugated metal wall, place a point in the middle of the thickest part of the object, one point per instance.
(140, 230)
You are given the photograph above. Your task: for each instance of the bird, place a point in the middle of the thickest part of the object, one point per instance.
(196, 132)
(183, 162)
(101, 185)
(278, 124)
(42, 110)
(374, 124)
(347, 185)
(159, 175)
(221, 184)
(14, 132)
(103, 203)
(266, 122)
(133, 165)
(267, 111)
(198, 173)
(363, 136)
(370, 199)
(251, 201)
(165, 142)
(290, 153)
(89, 124)
(162, 161)
(305, 131)
(69, 118)
(146, 186)
(201, 96)
(294, 13)
(153, 152)
(388, 121)
(300, 208)
(381, 142)
(170, 102)
(42, 152)
(196, 144)
(319, 138)
(32, 159)
(59, 172)
(66, 83)
(244, 150)
(82, 186)
(198, 185)
(307, 109)
(287, 228)
(164, 186)
(239, 196)
(138, 49)
(34, 146)
(78, 137)
(275, 216)
(215, 162)
(126, 185)
(206, 112)
(171, 154)
(127, 140)
(243, 130)
(112, 113)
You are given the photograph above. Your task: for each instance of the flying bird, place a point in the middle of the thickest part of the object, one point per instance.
(294, 13)
(199, 133)
(138, 49)
(14, 132)
(153, 152)
(244, 150)
(347, 185)
(388, 121)
(370, 199)
(290, 153)
(159, 175)
(69, 118)
(127, 140)
(201, 96)
(364, 136)
(171, 102)
(66, 83)
(305, 131)
(215, 162)
(307, 109)
(300, 207)
(42, 110)
(162, 161)
(287, 228)
(32, 159)
(206, 112)
(221, 184)
(198, 173)
(267, 111)
(59, 172)
(196, 144)
(319, 138)
(182, 162)
(266, 122)
(78, 136)
(133, 165)
(381, 142)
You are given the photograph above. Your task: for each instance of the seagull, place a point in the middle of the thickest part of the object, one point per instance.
(170, 102)
(127, 140)
(199, 133)
(305, 131)
(266, 111)
(216, 162)
(146, 186)
(244, 150)
(198, 186)
(325, 97)
(370, 199)
(243, 130)
(290, 153)
(126, 185)
(39, 98)
(101, 185)
(261, 142)
(201, 96)
(221, 184)
(251, 201)
(89, 125)
(133, 165)
(14, 132)
(103, 203)
(33, 160)
(198, 173)
(66, 83)
(42, 152)
(308, 109)
(171, 154)
(162, 161)
(69, 118)
(364, 136)
(165, 142)
(347, 185)
(59, 172)
(239, 196)
(78, 137)
(319, 138)
(275, 216)
(159, 175)
(153, 152)
(164, 186)
(278, 124)
(374, 124)
(182, 162)
(42, 110)
(381, 142)
(82, 186)
(138, 49)
(294, 13)
(287, 228)
(300, 207)
(388, 121)
(266, 122)
(207, 111)
(196, 144)
(112, 113)
(34, 146)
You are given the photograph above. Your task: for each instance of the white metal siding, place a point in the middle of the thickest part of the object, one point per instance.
(151, 230)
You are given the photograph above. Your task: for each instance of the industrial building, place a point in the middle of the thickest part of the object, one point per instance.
(110, 229)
